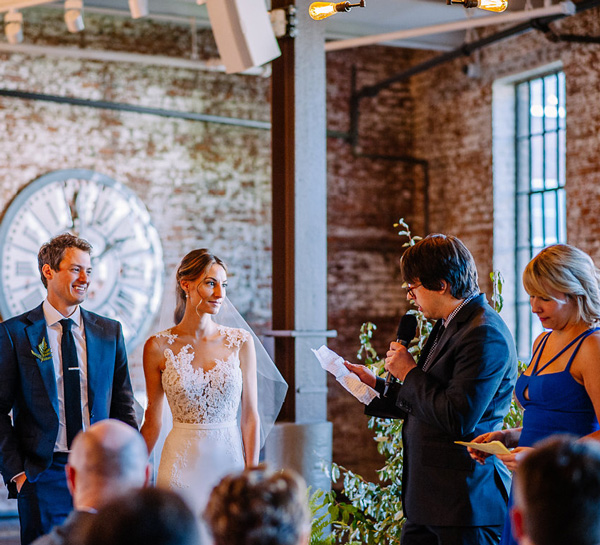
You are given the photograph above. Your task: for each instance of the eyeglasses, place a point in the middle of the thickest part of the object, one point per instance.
(411, 289)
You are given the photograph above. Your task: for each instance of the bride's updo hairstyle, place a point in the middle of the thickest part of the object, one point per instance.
(569, 271)
(259, 507)
(193, 266)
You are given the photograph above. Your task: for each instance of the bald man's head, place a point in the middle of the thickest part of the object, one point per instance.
(107, 459)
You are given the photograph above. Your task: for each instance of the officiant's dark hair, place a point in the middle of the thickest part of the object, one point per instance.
(438, 258)
(192, 266)
(52, 252)
(149, 516)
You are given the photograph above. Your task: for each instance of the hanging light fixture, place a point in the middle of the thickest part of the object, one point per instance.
(322, 10)
(489, 5)
(74, 15)
(13, 26)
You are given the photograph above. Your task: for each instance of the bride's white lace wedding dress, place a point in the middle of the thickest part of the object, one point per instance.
(205, 442)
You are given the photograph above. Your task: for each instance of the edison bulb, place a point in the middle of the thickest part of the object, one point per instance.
(493, 5)
(322, 10)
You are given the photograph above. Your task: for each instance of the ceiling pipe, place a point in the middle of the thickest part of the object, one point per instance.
(105, 55)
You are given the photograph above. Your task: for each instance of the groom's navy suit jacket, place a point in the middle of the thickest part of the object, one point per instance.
(28, 388)
(465, 392)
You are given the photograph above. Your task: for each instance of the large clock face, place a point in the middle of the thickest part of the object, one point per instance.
(127, 263)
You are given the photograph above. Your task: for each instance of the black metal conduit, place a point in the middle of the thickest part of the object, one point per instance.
(573, 38)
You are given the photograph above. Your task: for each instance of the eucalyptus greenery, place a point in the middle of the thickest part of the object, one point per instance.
(371, 512)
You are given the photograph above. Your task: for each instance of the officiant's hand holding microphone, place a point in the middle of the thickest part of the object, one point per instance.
(398, 361)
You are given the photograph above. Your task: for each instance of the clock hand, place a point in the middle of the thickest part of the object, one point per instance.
(74, 211)
(110, 246)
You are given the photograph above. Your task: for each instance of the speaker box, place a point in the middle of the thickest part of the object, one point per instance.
(242, 30)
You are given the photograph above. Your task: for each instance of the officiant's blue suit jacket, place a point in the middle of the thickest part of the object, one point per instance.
(28, 388)
(465, 392)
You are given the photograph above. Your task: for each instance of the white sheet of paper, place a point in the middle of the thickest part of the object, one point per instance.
(493, 447)
(334, 364)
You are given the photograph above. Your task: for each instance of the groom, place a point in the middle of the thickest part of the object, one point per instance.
(62, 369)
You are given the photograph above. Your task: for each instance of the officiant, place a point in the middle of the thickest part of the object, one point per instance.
(460, 387)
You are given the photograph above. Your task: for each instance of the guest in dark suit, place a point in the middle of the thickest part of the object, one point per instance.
(62, 369)
(107, 461)
(462, 384)
(557, 493)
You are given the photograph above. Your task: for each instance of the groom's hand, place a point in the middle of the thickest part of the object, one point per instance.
(364, 373)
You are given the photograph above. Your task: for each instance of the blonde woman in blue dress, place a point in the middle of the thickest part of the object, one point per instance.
(206, 371)
(560, 389)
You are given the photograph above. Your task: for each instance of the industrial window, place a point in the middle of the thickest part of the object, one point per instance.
(540, 184)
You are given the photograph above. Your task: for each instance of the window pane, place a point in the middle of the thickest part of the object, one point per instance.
(550, 218)
(537, 163)
(550, 103)
(537, 220)
(562, 106)
(562, 154)
(536, 106)
(551, 160)
(562, 216)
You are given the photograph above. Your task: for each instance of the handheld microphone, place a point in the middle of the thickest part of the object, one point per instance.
(407, 329)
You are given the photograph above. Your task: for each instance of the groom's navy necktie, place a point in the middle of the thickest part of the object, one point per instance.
(71, 382)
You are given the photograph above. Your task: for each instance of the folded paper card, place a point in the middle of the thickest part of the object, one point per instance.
(333, 363)
(493, 447)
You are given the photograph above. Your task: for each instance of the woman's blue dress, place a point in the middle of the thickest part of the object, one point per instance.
(556, 403)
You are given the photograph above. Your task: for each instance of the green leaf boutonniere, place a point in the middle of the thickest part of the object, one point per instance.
(44, 353)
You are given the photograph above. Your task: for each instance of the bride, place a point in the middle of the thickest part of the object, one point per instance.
(205, 370)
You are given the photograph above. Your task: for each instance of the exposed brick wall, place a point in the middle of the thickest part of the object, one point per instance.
(366, 197)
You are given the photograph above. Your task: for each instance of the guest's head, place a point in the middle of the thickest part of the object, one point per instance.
(565, 274)
(259, 507)
(149, 516)
(557, 494)
(194, 266)
(52, 252)
(107, 460)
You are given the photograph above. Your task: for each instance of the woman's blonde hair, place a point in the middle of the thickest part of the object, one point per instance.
(570, 271)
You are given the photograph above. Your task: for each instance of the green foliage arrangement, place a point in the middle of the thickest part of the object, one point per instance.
(370, 513)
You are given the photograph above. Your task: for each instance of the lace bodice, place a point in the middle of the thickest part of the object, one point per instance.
(204, 397)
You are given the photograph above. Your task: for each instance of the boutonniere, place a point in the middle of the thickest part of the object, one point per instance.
(44, 353)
